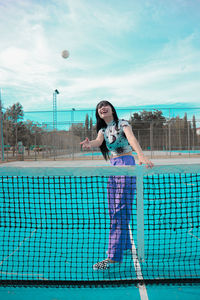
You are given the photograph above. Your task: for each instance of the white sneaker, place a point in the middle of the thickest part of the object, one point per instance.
(104, 265)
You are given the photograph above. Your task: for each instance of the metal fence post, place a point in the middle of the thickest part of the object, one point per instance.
(140, 214)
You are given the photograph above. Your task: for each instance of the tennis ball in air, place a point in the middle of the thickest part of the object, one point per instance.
(65, 53)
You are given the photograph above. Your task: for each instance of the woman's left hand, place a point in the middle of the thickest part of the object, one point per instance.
(146, 161)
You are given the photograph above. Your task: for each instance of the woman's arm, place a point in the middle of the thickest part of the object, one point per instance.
(94, 143)
(136, 147)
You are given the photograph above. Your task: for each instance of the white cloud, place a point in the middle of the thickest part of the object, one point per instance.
(108, 16)
(100, 64)
(172, 76)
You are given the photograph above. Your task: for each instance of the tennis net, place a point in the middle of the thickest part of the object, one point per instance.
(55, 224)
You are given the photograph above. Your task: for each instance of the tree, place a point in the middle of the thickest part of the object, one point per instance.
(148, 128)
(14, 112)
(177, 132)
(12, 115)
(194, 132)
(29, 134)
(181, 133)
(185, 132)
(77, 129)
(87, 125)
(16, 130)
(91, 128)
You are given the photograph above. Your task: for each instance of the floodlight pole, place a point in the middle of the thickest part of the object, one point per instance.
(55, 93)
(1, 130)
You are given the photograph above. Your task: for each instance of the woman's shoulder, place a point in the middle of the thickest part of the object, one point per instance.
(123, 123)
(101, 130)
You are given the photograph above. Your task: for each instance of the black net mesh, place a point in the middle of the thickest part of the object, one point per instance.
(56, 228)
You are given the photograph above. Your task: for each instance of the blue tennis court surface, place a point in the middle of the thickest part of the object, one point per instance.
(102, 293)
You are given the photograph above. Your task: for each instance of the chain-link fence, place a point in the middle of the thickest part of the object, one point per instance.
(36, 137)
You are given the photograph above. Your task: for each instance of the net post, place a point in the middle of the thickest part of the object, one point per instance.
(140, 214)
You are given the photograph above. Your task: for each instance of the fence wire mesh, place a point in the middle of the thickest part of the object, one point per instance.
(38, 137)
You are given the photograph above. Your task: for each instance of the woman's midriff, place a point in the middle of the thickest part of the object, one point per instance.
(128, 153)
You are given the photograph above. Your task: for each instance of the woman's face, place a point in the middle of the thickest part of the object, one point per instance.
(105, 111)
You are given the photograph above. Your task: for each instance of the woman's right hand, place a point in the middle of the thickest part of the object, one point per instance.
(86, 144)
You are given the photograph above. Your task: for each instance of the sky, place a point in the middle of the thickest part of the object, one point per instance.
(133, 53)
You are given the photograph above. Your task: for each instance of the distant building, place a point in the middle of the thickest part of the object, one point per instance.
(198, 131)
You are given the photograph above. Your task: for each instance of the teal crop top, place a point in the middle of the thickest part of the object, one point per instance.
(115, 138)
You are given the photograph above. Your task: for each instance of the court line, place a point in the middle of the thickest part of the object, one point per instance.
(40, 276)
(15, 250)
(190, 233)
(142, 288)
(20, 244)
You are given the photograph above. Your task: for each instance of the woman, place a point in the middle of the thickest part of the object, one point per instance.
(116, 136)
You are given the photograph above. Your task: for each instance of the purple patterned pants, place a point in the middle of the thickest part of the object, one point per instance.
(121, 191)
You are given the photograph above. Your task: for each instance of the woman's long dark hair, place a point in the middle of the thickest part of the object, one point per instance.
(102, 124)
